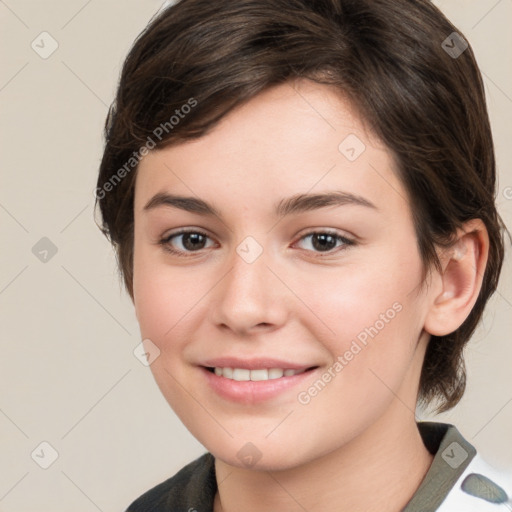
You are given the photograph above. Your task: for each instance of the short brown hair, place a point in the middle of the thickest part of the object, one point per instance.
(390, 58)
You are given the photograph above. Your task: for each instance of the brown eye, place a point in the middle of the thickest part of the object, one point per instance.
(325, 241)
(188, 242)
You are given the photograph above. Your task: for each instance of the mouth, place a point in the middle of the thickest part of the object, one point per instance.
(256, 385)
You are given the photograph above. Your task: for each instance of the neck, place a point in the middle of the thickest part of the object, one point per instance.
(379, 470)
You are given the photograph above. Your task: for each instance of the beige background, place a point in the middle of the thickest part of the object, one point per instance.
(68, 375)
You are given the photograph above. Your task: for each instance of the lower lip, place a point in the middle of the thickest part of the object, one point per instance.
(252, 392)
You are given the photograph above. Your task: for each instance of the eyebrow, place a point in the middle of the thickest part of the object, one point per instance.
(298, 203)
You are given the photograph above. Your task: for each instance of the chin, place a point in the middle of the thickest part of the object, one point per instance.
(272, 463)
(259, 455)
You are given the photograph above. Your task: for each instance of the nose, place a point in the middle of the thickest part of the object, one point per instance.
(251, 296)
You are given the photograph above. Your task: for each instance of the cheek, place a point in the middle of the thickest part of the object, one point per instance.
(375, 320)
(163, 300)
(356, 297)
(369, 314)
(159, 306)
(171, 305)
(149, 299)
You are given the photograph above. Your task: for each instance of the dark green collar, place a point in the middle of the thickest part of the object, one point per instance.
(452, 455)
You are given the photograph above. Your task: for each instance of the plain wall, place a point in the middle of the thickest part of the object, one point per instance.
(68, 375)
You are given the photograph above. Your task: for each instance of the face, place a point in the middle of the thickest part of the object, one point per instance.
(265, 278)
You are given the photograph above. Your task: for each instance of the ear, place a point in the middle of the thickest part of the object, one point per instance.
(463, 266)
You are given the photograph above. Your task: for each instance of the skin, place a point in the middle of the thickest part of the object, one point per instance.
(356, 443)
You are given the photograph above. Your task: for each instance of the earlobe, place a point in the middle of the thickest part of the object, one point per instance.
(463, 267)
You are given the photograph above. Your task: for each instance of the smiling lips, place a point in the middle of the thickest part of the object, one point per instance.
(231, 376)
(255, 381)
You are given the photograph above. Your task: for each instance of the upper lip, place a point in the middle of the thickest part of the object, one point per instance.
(254, 363)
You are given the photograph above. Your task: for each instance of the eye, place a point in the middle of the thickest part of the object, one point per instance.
(326, 241)
(191, 241)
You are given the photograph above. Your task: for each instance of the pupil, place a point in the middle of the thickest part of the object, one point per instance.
(194, 237)
(323, 244)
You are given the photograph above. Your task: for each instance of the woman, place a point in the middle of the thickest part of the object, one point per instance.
(301, 196)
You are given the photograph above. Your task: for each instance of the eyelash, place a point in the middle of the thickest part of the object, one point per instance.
(165, 242)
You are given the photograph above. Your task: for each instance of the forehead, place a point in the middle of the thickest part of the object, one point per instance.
(297, 137)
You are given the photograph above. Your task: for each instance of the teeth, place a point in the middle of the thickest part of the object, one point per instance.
(243, 374)
(275, 373)
(259, 374)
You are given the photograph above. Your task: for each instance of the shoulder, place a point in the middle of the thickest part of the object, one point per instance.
(480, 488)
(193, 487)
(458, 480)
